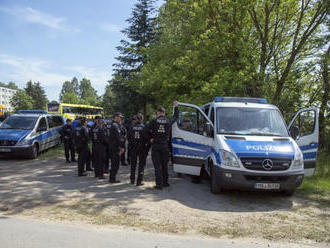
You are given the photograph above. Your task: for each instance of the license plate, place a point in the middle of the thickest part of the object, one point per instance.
(5, 150)
(267, 186)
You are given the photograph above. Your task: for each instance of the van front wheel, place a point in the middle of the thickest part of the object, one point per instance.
(216, 187)
(34, 152)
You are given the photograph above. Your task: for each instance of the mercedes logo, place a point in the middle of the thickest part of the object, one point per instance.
(267, 164)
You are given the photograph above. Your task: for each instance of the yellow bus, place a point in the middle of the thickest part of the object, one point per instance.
(3, 112)
(72, 111)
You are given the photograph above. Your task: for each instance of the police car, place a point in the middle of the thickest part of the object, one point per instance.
(30, 132)
(244, 143)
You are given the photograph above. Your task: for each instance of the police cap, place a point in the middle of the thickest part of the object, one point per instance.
(161, 109)
(118, 114)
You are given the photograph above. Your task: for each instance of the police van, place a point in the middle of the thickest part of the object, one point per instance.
(244, 143)
(30, 132)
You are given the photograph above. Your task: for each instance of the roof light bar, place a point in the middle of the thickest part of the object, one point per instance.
(40, 112)
(240, 99)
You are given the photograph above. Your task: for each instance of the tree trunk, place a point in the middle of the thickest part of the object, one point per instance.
(325, 99)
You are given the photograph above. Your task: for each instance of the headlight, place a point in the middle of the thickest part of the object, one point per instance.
(298, 162)
(228, 159)
(23, 142)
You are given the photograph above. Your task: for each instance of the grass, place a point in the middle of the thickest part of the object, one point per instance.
(317, 187)
(52, 152)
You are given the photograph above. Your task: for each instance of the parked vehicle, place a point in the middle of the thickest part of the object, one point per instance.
(73, 111)
(30, 132)
(244, 143)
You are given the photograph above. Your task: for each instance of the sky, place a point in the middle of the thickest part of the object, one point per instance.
(53, 41)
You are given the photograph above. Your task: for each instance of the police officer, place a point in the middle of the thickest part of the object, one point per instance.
(67, 136)
(138, 149)
(81, 140)
(123, 129)
(116, 146)
(108, 152)
(98, 148)
(159, 130)
(129, 139)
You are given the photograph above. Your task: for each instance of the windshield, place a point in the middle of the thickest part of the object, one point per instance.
(19, 122)
(250, 121)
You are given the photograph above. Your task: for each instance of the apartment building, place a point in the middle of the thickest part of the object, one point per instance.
(5, 97)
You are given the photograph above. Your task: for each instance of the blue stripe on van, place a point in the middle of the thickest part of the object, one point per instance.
(308, 147)
(309, 155)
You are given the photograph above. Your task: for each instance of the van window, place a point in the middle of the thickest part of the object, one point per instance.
(306, 122)
(191, 120)
(250, 121)
(42, 123)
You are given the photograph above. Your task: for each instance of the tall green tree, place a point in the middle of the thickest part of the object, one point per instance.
(140, 34)
(71, 97)
(87, 93)
(70, 87)
(21, 100)
(36, 91)
(10, 85)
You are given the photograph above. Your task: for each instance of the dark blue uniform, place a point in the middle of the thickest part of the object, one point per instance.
(98, 150)
(81, 139)
(138, 151)
(159, 131)
(116, 143)
(67, 137)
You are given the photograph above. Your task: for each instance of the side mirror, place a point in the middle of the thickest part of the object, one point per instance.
(209, 130)
(41, 129)
(294, 132)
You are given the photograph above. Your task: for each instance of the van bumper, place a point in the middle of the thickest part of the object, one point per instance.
(16, 150)
(243, 180)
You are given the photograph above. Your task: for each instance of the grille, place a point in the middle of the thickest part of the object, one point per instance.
(8, 142)
(256, 163)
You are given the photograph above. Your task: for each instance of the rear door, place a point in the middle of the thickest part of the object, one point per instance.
(191, 145)
(307, 120)
(42, 134)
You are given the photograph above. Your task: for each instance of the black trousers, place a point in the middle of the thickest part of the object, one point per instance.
(107, 158)
(69, 148)
(159, 155)
(115, 160)
(89, 159)
(98, 159)
(141, 155)
(83, 154)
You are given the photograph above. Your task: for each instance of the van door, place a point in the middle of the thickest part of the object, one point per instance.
(42, 134)
(192, 145)
(306, 121)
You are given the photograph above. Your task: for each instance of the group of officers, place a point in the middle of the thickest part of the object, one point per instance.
(109, 145)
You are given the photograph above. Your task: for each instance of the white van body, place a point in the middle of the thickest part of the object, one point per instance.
(244, 143)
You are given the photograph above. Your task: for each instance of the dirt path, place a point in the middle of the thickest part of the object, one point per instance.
(51, 190)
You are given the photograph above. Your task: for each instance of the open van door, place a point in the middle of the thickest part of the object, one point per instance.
(304, 128)
(192, 139)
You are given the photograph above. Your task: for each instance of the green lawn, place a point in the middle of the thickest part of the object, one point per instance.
(52, 152)
(317, 187)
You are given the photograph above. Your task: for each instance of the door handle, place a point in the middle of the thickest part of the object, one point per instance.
(178, 138)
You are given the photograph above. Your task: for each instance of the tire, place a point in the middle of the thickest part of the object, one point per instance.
(289, 192)
(34, 152)
(215, 186)
(179, 175)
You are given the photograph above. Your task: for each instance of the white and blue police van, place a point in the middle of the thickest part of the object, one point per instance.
(244, 143)
(29, 132)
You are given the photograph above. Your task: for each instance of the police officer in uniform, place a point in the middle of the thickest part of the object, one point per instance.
(98, 148)
(67, 136)
(116, 147)
(123, 129)
(81, 140)
(159, 130)
(138, 149)
(107, 153)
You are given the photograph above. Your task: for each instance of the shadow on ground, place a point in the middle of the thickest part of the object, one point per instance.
(28, 184)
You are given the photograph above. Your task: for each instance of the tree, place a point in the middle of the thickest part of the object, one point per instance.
(70, 87)
(10, 85)
(87, 93)
(21, 101)
(70, 97)
(140, 34)
(37, 93)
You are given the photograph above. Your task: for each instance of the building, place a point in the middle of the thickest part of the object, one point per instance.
(5, 96)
